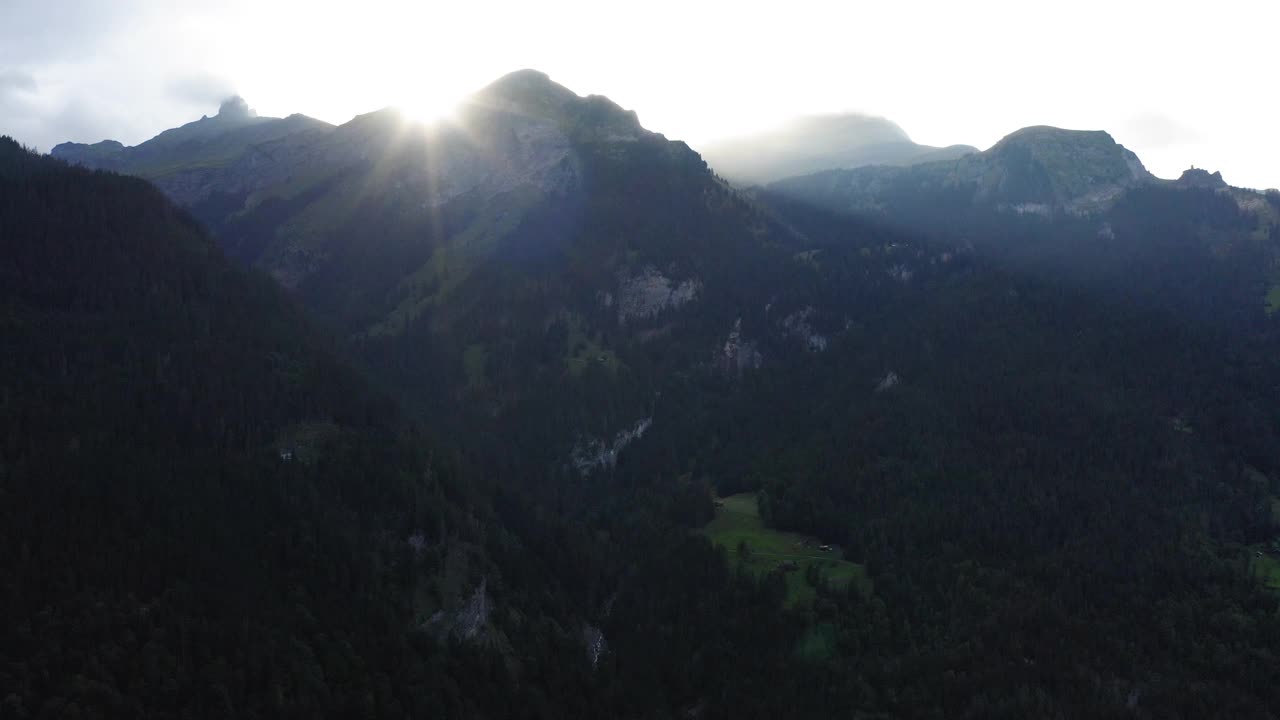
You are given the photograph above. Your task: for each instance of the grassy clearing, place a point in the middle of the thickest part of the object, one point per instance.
(583, 351)
(737, 522)
(1266, 567)
(1273, 300)
(586, 351)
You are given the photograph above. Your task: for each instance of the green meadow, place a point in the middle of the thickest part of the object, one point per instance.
(737, 524)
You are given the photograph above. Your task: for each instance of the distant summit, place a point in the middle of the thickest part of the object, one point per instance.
(235, 108)
(1039, 170)
(821, 142)
(1067, 169)
(1200, 178)
(533, 94)
(211, 144)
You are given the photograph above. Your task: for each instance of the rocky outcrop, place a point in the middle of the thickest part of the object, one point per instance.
(1200, 178)
(738, 354)
(798, 325)
(597, 646)
(591, 454)
(235, 108)
(468, 622)
(888, 382)
(649, 292)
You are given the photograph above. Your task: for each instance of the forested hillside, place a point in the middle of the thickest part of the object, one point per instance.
(1030, 393)
(208, 515)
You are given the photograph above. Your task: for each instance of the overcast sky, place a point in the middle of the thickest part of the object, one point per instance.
(1180, 83)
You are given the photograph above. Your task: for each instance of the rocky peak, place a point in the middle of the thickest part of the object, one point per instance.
(1200, 178)
(527, 86)
(533, 94)
(235, 108)
(1076, 170)
(105, 155)
(1092, 152)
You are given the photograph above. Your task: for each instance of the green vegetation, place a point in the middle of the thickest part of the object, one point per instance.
(583, 350)
(1266, 567)
(818, 642)
(737, 526)
(473, 362)
(451, 264)
(1031, 523)
(1273, 299)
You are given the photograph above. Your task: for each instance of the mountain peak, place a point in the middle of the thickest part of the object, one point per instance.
(1200, 178)
(1079, 168)
(850, 128)
(1042, 135)
(533, 94)
(812, 143)
(525, 87)
(523, 77)
(235, 108)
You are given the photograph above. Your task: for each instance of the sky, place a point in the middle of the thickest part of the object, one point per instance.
(1180, 83)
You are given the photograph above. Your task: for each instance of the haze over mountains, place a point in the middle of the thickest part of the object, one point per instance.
(825, 142)
(442, 432)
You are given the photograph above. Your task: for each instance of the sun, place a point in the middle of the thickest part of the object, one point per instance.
(428, 110)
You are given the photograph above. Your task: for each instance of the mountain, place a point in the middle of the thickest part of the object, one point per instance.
(1055, 487)
(208, 513)
(493, 262)
(1034, 170)
(218, 493)
(207, 150)
(1077, 205)
(823, 142)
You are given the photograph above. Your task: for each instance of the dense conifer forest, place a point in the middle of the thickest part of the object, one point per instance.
(1054, 453)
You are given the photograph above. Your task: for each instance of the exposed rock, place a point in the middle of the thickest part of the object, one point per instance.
(235, 108)
(467, 622)
(595, 642)
(1032, 209)
(650, 292)
(1200, 178)
(591, 454)
(1251, 202)
(890, 381)
(901, 273)
(797, 325)
(738, 354)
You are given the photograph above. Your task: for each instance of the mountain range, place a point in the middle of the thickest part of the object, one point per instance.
(468, 395)
(821, 142)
